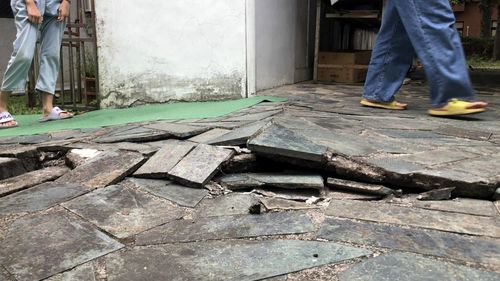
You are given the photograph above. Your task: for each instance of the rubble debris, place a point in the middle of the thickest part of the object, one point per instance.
(241, 163)
(272, 204)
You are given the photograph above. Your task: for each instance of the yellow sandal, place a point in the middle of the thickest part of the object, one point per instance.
(393, 105)
(454, 108)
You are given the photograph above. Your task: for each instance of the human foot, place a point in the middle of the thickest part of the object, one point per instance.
(6, 120)
(394, 105)
(457, 107)
(55, 114)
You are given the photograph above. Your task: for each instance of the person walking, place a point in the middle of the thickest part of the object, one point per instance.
(427, 29)
(32, 17)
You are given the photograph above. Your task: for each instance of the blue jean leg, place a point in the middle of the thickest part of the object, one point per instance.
(15, 76)
(52, 32)
(431, 25)
(14, 79)
(391, 58)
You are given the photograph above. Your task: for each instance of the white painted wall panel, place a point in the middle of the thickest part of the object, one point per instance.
(158, 51)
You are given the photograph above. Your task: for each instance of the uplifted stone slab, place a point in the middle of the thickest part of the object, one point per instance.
(395, 165)
(227, 227)
(239, 136)
(181, 195)
(165, 159)
(123, 211)
(200, 165)
(178, 130)
(387, 213)
(40, 246)
(411, 267)
(231, 204)
(40, 197)
(426, 242)
(105, 169)
(460, 205)
(280, 180)
(11, 167)
(360, 187)
(134, 134)
(208, 136)
(283, 204)
(278, 140)
(228, 260)
(30, 179)
(241, 163)
(436, 194)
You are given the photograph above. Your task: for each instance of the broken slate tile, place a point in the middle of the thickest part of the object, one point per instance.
(208, 136)
(11, 167)
(181, 131)
(278, 140)
(411, 267)
(78, 157)
(106, 169)
(225, 260)
(239, 136)
(165, 159)
(367, 188)
(39, 246)
(436, 194)
(415, 217)
(395, 165)
(181, 195)
(460, 205)
(227, 227)
(83, 272)
(123, 211)
(200, 165)
(426, 242)
(272, 204)
(40, 197)
(231, 204)
(30, 179)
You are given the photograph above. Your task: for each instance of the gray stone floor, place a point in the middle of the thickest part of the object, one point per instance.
(316, 188)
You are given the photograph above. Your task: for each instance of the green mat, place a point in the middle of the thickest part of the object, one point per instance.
(29, 125)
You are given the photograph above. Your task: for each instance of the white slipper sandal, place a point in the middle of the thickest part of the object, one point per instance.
(55, 114)
(6, 117)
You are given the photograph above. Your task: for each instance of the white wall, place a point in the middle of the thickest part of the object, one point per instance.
(284, 41)
(158, 51)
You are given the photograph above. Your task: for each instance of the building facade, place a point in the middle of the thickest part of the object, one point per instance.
(469, 19)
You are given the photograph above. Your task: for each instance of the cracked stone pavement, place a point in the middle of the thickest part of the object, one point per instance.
(316, 188)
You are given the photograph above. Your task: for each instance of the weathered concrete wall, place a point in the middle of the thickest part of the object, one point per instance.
(7, 35)
(284, 41)
(159, 51)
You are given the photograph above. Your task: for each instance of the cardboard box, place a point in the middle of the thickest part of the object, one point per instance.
(345, 58)
(343, 73)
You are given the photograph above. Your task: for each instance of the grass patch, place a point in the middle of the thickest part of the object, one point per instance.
(18, 106)
(478, 62)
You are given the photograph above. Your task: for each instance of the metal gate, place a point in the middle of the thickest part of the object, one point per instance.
(78, 84)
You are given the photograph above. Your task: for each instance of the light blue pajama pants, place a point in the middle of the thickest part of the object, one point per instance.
(427, 28)
(51, 34)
